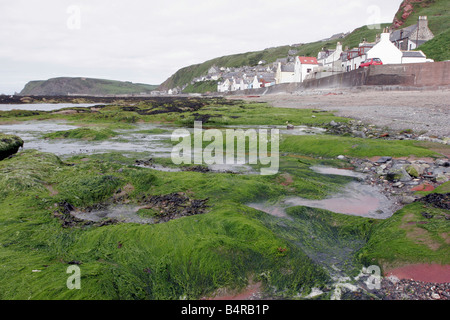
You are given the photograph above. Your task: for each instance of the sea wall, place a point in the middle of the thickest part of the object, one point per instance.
(430, 75)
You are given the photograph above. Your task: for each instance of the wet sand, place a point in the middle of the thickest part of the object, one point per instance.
(434, 273)
(422, 111)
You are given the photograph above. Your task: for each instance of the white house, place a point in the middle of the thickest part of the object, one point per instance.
(285, 73)
(255, 83)
(303, 66)
(224, 86)
(386, 51)
(414, 57)
(237, 84)
(333, 59)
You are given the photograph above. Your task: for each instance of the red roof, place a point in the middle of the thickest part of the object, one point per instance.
(308, 60)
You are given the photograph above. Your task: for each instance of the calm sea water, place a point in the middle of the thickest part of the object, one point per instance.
(43, 106)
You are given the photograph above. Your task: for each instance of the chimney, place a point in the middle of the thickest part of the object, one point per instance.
(423, 18)
(422, 23)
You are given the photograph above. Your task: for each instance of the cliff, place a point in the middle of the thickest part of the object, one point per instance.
(84, 86)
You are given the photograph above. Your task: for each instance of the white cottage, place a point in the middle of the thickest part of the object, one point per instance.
(224, 86)
(415, 57)
(255, 83)
(237, 84)
(333, 59)
(303, 66)
(386, 51)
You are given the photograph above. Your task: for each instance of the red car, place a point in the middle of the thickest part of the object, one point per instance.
(371, 62)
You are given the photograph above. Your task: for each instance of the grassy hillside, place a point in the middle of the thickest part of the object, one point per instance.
(185, 75)
(201, 87)
(437, 48)
(437, 12)
(87, 86)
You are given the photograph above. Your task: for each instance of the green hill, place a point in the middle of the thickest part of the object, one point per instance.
(84, 86)
(408, 14)
(438, 14)
(185, 75)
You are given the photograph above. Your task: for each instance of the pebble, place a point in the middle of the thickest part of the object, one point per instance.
(407, 289)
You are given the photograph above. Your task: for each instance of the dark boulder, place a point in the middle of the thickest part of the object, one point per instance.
(9, 145)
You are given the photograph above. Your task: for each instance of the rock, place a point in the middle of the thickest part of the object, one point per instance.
(435, 296)
(359, 134)
(443, 162)
(427, 215)
(333, 123)
(407, 199)
(414, 170)
(398, 174)
(341, 157)
(9, 145)
(398, 184)
(430, 176)
(384, 159)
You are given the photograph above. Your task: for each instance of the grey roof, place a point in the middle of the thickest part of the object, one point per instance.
(287, 67)
(282, 60)
(413, 54)
(398, 35)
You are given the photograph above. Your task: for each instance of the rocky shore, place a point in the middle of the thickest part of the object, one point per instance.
(402, 178)
(393, 288)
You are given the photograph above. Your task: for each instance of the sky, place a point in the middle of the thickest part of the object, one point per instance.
(147, 41)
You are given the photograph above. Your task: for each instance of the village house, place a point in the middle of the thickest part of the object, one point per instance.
(237, 84)
(285, 73)
(213, 70)
(303, 66)
(391, 47)
(411, 37)
(414, 57)
(351, 59)
(224, 86)
(255, 83)
(385, 50)
(330, 58)
(266, 79)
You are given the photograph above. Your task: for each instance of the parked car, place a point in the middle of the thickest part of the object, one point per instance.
(371, 62)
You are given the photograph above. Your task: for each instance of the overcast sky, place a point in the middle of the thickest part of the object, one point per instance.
(147, 41)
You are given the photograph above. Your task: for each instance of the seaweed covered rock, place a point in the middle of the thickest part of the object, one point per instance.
(28, 171)
(9, 145)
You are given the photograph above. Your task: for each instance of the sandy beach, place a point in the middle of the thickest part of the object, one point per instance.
(423, 111)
